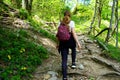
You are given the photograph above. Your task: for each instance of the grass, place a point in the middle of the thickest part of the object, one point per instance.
(37, 27)
(19, 57)
(114, 52)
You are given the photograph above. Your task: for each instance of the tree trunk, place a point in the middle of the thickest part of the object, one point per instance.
(110, 26)
(27, 4)
(76, 6)
(30, 6)
(99, 12)
(116, 17)
(23, 4)
(93, 20)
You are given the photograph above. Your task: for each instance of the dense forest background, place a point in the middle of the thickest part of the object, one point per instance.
(100, 19)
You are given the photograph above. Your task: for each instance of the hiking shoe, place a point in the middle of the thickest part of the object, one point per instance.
(64, 78)
(73, 66)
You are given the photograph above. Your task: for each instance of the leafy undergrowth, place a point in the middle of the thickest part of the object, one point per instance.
(111, 51)
(18, 56)
(37, 27)
(114, 52)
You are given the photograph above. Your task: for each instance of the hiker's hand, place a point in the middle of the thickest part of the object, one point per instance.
(79, 46)
(57, 46)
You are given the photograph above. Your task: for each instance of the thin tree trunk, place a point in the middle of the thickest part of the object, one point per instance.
(93, 20)
(99, 12)
(75, 9)
(23, 4)
(110, 26)
(116, 17)
(28, 5)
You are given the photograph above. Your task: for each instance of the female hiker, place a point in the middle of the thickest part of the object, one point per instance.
(64, 46)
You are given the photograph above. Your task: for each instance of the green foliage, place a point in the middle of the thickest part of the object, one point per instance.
(37, 28)
(3, 9)
(84, 12)
(106, 10)
(48, 9)
(14, 3)
(23, 14)
(91, 78)
(19, 55)
(114, 52)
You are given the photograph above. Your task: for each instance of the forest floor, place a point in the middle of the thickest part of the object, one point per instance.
(92, 64)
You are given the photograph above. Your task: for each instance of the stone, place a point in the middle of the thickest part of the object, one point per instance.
(81, 66)
(47, 76)
(52, 73)
(53, 78)
(89, 41)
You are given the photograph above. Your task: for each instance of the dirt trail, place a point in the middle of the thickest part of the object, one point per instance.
(90, 64)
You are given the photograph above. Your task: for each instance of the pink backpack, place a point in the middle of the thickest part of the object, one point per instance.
(63, 33)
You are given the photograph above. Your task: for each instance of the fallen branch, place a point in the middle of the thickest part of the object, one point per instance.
(102, 45)
(101, 32)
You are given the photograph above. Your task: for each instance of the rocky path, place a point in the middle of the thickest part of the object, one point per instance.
(90, 64)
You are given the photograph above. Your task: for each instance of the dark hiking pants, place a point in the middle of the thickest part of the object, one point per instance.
(64, 54)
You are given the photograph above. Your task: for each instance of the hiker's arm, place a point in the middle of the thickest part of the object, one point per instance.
(76, 39)
(57, 44)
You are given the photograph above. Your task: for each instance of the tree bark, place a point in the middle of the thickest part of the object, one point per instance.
(76, 7)
(30, 6)
(110, 26)
(23, 4)
(93, 20)
(117, 20)
(27, 4)
(99, 12)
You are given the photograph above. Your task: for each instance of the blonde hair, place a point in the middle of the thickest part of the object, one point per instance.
(66, 21)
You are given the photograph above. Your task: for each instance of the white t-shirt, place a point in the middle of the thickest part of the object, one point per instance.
(71, 24)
